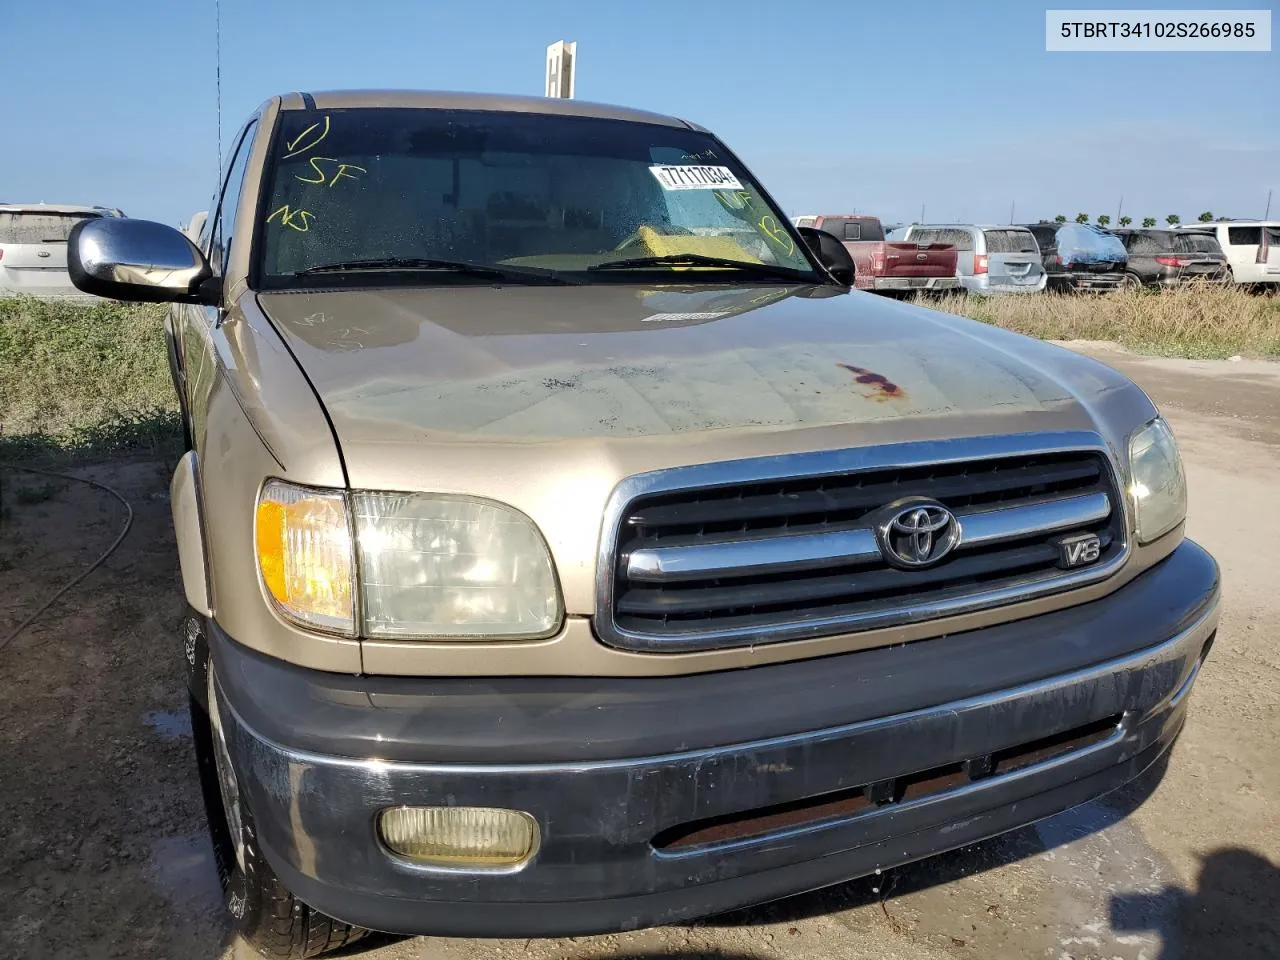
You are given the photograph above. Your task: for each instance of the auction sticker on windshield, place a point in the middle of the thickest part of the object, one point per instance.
(690, 176)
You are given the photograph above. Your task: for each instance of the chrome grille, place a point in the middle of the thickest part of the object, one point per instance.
(770, 556)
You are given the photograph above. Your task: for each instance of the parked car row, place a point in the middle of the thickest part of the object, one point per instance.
(1028, 258)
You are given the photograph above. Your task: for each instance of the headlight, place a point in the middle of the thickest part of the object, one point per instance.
(1157, 485)
(304, 554)
(424, 566)
(452, 567)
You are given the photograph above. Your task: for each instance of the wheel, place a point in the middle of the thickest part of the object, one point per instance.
(265, 912)
(1132, 281)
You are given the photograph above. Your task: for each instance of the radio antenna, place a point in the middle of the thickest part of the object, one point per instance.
(217, 46)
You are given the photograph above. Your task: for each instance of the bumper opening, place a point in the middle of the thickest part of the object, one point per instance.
(1208, 645)
(843, 804)
(1049, 748)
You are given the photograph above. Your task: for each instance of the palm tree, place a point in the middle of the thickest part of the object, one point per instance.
(1060, 218)
(1173, 219)
(1205, 217)
(1082, 218)
(1125, 220)
(1103, 219)
(1148, 222)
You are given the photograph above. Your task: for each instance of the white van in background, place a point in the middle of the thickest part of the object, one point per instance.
(33, 248)
(195, 225)
(1252, 247)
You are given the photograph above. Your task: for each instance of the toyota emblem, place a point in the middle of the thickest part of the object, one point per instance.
(916, 532)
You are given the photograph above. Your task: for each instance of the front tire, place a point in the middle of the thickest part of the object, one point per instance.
(265, 912)
(1132, 282)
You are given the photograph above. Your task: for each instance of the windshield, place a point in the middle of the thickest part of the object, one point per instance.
(489, 188)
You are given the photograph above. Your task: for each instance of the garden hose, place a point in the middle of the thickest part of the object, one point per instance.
(92, 567)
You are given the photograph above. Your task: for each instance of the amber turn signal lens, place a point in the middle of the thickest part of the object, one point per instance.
(303, 542)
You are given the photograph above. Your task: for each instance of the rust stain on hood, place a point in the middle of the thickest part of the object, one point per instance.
(879, 387)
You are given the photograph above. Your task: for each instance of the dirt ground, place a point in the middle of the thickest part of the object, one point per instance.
(103, 851)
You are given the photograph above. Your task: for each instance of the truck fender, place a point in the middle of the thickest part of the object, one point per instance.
(184, 500)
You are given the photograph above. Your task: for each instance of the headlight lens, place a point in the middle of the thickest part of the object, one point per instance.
(1157, 486)
(428, 566)
(304, 554)
(452, 567)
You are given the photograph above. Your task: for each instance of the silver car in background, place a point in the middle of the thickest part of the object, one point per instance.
(990, 259)
(33, 248)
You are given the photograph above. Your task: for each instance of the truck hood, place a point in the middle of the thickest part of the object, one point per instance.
(529, 364)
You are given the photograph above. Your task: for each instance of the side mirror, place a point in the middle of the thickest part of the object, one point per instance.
(831, 253)
(139, 260)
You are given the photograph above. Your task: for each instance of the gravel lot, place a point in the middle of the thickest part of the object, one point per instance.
(104, 853)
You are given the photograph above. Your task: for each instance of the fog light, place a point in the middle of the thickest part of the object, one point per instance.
(460, 836)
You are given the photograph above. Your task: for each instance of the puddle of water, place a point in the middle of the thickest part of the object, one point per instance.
(183, 870)
(170, 724)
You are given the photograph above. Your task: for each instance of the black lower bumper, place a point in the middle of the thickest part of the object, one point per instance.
(1086, 280)
(1121, 666)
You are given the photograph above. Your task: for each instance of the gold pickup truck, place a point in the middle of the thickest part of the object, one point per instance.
(569, 549)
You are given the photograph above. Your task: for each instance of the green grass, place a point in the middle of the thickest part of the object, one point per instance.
(1194, 322)
(84, 380)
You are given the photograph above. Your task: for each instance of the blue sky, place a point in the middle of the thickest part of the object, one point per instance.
(873, 106)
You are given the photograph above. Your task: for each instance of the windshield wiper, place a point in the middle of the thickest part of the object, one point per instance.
(433, 265)
(701, 260)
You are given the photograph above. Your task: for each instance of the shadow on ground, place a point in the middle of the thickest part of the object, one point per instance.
(153, 435)
(1231, 915)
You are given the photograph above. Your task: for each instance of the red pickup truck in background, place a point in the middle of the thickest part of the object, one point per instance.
(888, 268)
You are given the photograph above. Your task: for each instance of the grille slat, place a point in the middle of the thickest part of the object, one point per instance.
(847, 496)
(746, 563)
(884, 581)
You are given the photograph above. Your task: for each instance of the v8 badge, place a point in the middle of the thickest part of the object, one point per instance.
(1078, 550)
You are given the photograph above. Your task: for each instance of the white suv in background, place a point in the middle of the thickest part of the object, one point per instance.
(33, 248)
(1252, 247)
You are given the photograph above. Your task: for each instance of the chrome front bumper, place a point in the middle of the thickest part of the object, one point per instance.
(598, 867)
